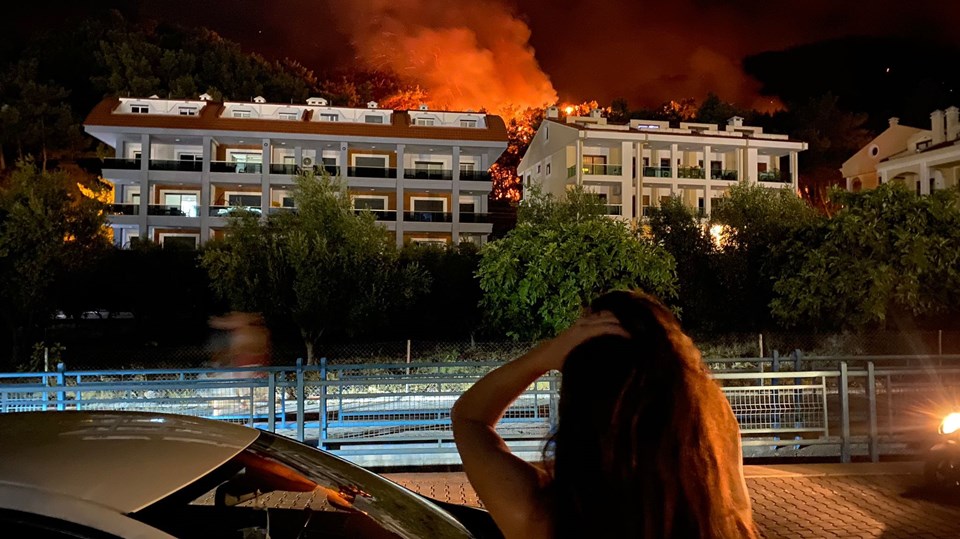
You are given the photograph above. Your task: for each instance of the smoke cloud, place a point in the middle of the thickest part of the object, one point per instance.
(466, 55)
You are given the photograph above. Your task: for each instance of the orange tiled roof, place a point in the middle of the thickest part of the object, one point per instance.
(210, 118)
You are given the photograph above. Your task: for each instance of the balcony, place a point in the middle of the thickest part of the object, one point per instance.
(281, 168)
(428, 217)
(423, 174)
(603, 169)
(172, 210)
(613, 209)
(121, 164)
(381, 215)
(471, 217)
(474, 176)
(571, 171)
(774, 176)
(691, 173)
(176, 165)
(657, 172)
(371, 172)
(647, 211)
(725, 175)
(123, 209)
(235, 167)
(227, 211)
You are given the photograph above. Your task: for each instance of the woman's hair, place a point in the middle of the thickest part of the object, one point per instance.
(642, 447)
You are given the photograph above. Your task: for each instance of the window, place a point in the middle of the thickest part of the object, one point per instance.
(188, 111)
(933, 184)
(467, 166)
(548, 169)
(371, 161)
(374, 203)
(430, 170)
(289, 116)
(594, 164)
(761, 167)
(433, 205)
(918, 187)
(468, 204)
(288, 202)
(424, 121)
(181, 241)
(183, 204)
(189, 157)
(468, 123)
(538, 168)
(646, 161)
(664, 162)
(140, 109)
(241, 114)
(371, 119)
(328, 117)
(136, 155)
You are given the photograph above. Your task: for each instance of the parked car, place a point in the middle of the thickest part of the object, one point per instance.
(145, 475)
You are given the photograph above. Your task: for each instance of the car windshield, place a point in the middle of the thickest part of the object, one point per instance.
(280, 488)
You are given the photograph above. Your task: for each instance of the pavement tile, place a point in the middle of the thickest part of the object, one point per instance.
(853, 502)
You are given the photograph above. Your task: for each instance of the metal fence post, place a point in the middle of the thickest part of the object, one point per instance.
(872, 395)
(300, 399)
(323, 403)
(844, 414)
(61, 396)
(554, 403)
(272, 401)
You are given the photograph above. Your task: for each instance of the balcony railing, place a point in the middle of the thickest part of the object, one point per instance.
(603, 169)
(614, 209)
(172, 210)
(121, 164)
(371, 172)
(694, 173)
(235, 167)
(175, 164)
(656, 172)
(227, 211)
(725, 175)
(421, 174)
(471, 217)
(571, 171)
(647, 211)
(381, 215)
(776, 176)
(291, 169)
(474, 176)
(428, 217)
(124, 209)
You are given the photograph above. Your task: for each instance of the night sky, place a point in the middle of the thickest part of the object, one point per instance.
(538, 50)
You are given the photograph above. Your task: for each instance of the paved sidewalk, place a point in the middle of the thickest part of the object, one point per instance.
(797, 501)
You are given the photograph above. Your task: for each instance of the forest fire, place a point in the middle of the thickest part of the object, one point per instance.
(472, 55)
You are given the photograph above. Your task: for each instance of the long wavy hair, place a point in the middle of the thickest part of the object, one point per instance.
(646, 444)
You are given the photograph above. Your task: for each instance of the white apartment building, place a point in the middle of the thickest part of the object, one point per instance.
(924, 160)
(636, 166)
(182, 166)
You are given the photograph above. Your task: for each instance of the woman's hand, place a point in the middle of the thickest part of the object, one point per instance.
(588, 326)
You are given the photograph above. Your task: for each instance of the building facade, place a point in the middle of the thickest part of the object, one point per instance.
(924, 160)
(182, 166)
(636, 166)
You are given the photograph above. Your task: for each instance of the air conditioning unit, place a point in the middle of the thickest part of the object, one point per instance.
(307, 161)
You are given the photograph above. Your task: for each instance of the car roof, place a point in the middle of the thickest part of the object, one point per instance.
(122, 460)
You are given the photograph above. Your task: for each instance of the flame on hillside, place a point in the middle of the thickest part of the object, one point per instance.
(463, 55)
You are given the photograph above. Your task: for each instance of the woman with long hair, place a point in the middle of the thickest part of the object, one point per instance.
(646, 445)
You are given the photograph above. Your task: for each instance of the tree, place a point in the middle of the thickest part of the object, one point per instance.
(752, 222)
(328, 269)
(680, 231)
(563, 253)
(48, 230)
(451, 307)
(887, 255)
(715, 111)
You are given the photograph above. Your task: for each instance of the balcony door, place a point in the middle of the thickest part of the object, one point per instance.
(594, 164)
(185, 203)
(429, 170)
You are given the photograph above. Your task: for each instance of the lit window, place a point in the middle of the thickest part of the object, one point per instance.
(424, 121)
(140, 109)
(328, 117)
(188, 111)
(468, 123)
(289, 116)
(241, 114)
(371, 119)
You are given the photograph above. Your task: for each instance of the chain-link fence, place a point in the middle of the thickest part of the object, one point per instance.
(712, 346)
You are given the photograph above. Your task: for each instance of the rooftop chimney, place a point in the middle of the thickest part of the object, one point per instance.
(372, 104)
(595, 113)
(894, 121)
(736, 121)
(423, 106)
(953, 123)
(317, 101)
(937, 126)
(206, 97)
(553, 112)
(259, 99)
